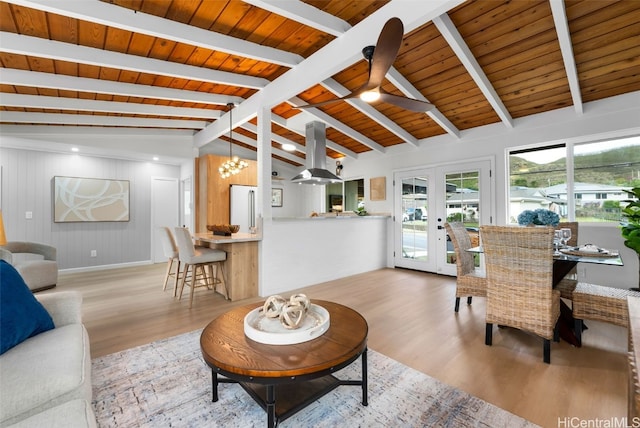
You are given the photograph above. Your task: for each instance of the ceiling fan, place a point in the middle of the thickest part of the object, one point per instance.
(381, 58)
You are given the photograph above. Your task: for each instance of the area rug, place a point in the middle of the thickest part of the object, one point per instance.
(167, 384)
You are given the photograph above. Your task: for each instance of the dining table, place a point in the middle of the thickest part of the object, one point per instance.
(564, 260)
(563, 263)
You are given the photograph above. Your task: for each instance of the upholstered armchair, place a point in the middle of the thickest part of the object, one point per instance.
(35, 262)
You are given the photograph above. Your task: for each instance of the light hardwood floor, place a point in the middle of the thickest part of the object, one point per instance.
(411, 320)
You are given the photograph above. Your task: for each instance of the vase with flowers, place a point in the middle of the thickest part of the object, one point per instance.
(539, 217)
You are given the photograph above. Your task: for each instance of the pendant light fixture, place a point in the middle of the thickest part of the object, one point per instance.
(234, 165)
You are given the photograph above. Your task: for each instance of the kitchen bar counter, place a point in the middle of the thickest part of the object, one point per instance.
(330, 216)
(299, 252)
(235, 237)
(241, 266)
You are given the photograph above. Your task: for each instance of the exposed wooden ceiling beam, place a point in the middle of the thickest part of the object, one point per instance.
(138, 22)
(277, 138)
(63, 103)
(98, 120)
(305, 14)
(274, 137)
(400, 82)
(341, 127)
(368, 110)
(279, 120)
(35, 79)
(253, 143)
(38, 47)
(92, 131)
(564, 38)
(462, 51)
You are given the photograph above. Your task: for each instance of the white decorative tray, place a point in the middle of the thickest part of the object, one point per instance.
(589, 251)
(271, 331)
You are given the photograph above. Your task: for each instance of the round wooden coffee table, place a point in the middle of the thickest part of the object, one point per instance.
(284, 379)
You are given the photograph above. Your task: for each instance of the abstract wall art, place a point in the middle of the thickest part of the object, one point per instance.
(90, 200)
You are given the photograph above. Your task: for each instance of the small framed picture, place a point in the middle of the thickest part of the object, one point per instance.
(276, 197)
(377, 189)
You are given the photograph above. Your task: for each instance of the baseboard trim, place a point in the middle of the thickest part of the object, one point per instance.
(104, 267)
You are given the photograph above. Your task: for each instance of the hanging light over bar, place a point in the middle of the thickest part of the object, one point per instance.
(234, 164)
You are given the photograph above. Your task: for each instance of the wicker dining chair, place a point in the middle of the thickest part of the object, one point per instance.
(520, 294)
(470, 280)
(600, 303)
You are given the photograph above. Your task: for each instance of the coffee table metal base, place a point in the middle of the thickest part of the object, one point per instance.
(281, 398)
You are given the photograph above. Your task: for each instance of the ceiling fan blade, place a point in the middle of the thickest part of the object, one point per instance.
(385, 52)
(406, 103)
(322, 103)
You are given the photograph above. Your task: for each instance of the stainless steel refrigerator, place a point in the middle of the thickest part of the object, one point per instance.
(243, 206)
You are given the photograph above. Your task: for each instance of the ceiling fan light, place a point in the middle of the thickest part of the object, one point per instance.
(370, 96)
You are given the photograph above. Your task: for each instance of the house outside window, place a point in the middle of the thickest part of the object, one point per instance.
(582, 182)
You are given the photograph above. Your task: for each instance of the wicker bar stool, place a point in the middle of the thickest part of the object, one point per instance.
(600, 303)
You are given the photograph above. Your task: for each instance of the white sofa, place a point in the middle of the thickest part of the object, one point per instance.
(46, 380)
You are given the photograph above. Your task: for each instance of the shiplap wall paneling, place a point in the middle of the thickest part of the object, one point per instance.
(27, 186)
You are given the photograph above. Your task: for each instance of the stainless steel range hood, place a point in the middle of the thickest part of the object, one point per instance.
(316, 144)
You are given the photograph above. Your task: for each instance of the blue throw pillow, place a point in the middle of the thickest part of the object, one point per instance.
(21, 315)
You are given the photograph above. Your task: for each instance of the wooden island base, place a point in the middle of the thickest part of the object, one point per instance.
(241, 266)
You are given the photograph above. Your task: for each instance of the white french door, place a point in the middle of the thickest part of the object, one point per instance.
(413, 192)
(425, 199)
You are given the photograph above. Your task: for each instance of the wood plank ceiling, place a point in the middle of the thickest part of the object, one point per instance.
(175, 64)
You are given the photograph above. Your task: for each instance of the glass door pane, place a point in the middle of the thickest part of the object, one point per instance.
(414, 218)
(462, 205)
(412, 247)
(464, 196)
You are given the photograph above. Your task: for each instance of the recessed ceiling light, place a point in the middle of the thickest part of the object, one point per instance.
(288, 147)
(156, 158)
(75, 149)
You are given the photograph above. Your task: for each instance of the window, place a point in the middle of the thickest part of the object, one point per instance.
(585, 182)
(346, 196)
